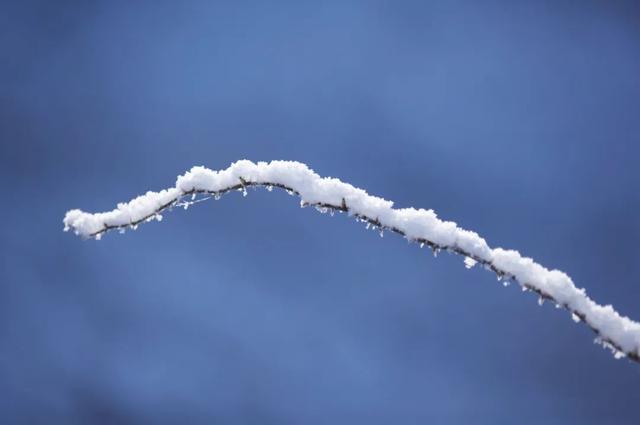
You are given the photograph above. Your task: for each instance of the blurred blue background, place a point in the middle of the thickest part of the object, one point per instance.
(519, 120)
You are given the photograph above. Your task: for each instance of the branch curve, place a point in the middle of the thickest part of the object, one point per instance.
(618, 333)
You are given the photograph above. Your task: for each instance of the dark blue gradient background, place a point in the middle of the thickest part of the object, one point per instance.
(520, 120)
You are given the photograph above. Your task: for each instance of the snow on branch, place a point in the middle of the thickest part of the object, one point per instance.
(618, 333)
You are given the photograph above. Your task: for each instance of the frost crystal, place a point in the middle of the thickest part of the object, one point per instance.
(469, 262)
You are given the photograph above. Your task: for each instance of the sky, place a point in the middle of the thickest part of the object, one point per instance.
(516, 119)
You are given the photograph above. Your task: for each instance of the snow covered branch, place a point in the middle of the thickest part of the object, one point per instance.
(618, 333)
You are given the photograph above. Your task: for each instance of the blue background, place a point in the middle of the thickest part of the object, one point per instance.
(519, 120)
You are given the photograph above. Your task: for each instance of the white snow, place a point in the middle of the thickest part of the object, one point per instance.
(416, 225)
